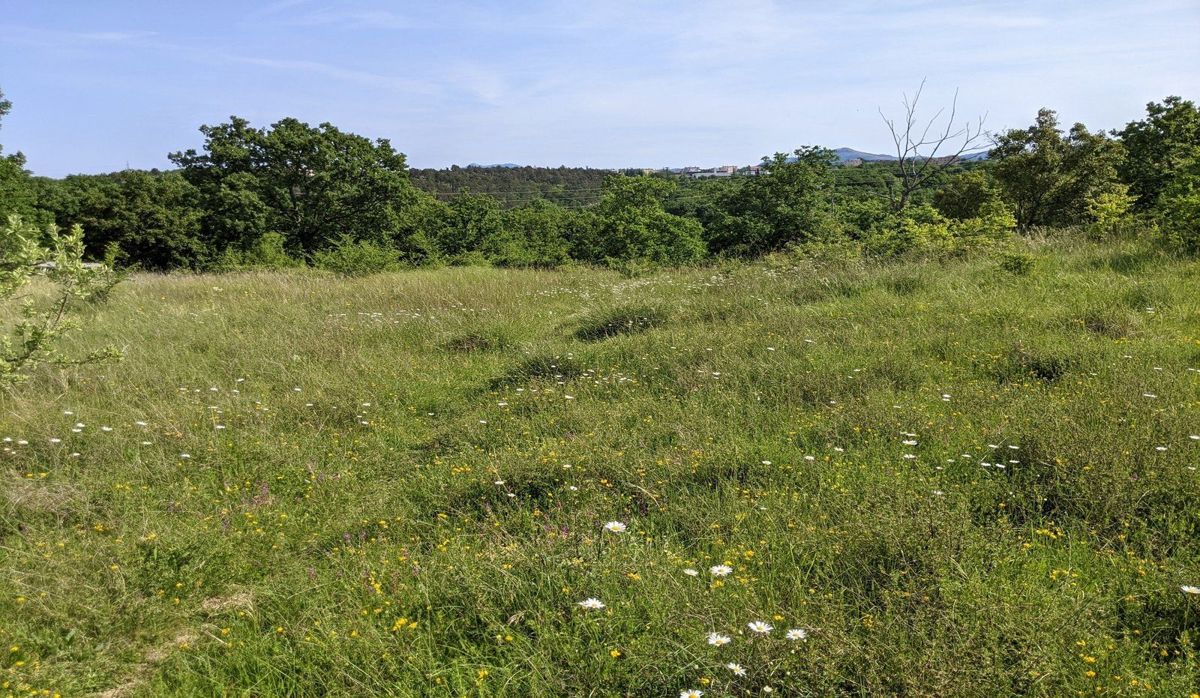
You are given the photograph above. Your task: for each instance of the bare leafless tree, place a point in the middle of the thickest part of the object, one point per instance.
(924, 148)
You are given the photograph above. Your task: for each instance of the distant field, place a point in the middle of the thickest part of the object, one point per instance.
(956, 480)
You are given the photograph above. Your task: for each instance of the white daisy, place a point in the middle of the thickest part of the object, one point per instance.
(720, 570)
(592, 604)
(759, 626)
(692, 693)
(691, 572)
(718, 640)
(797, 634)
(1189, 589)
(615, 527)
(737, 669)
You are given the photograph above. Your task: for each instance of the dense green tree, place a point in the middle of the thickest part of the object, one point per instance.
(1159, 148)
(1179, 209)
(965, 194)
(149, 219)
(539, 235)
(313, 185)
(700, 199)
(791, 203)
(17, 193)
(473, 224)
(1049, 178)
(513, 187)
(629, 224)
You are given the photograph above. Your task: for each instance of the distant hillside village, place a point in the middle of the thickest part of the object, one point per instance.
(846, 157)
(722, 171)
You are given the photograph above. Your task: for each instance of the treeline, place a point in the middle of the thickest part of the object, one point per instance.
(572, 187)
(293, 194)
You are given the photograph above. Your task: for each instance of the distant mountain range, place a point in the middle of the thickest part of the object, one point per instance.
(843, 155)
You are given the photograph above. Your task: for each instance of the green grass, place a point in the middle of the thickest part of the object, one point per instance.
(397, 484)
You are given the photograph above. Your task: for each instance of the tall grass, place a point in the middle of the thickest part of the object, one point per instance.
(958, 480)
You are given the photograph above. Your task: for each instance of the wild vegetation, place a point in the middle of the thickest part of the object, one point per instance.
(955, 478)
(793, 434)
(292, 194)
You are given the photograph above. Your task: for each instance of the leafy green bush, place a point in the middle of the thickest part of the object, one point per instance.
(790, 203)
(966, 195)
(993, 225)
(1109, 212)
(917, 228)
(33, 338)
(1179, 212)
(266, 253)
(537, 236)
(1017, 263)
(630, 224)
(357, 258)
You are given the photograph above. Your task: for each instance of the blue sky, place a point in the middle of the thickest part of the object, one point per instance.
(97, 86)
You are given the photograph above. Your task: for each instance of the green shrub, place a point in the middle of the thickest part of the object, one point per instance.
(917, 228)
(351, 258)
(266, 253)
(1017, 263)
(39, 327)
(538, 236)
(1179, 216)
(993, 225)
(1109, 212)
(965, 195)
(630, 223)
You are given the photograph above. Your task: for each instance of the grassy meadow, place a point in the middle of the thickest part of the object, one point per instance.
(955, 479)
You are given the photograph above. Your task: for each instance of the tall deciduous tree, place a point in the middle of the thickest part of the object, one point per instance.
(149, 219)
(1049, 177)
(966, 194)
(539, 232)
(17, 194)
(1159, 148)
(791, 202)
(630, 224)
(313, 185)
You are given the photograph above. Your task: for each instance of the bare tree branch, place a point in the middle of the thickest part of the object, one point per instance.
(919, 157)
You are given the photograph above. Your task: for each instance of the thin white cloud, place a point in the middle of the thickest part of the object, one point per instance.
(362, 77)
(623, 82)
(33, 36)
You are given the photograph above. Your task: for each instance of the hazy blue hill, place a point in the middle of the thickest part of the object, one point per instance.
(845, 154)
